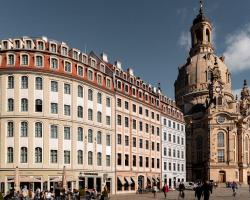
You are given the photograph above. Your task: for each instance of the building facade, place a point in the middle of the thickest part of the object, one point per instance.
(57, 109)
(217, 123)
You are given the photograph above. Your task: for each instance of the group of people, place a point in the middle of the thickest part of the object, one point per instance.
(203, 189)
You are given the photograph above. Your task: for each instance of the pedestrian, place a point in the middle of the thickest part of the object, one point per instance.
(206, 190)
(154, 190)
(198, 191)
(234, 187)
(165, 190)
(181, 190)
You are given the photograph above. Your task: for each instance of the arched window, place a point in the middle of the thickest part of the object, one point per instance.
(11, 59)
(220, 139)
(67, 66)
(99, 137)
(24, 155)
(207, 35)
(99, 117)
(24, 129)
(209, 75)
(80, 133)
(80, 156)
(54, 63)
(40, 45)
(90, 114)
(10, 104)
(38, 155)
(24, 82)
(10, 82)
(25, 59)
(39, 83)
(10, 155)
(90, 158)
(39, 61)
(24, 105)
(99, 98)
(90, 136)
(39, 105)
(99, 159)
(80, 112)
(80, 71)
(198, 34)
(38, 129)
(10, 129)
(90, 95)
(80, 91)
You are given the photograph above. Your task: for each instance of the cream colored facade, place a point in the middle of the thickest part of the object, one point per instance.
(217, 123)
(77, 134)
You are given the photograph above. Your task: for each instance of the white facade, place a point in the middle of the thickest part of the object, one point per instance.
(173, 151)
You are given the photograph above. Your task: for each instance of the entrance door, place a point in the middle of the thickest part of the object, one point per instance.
(141, 182)
(90, 183)
(98, 184)
(170, 183)
(108, 184)
(81, 183)
(222, 176)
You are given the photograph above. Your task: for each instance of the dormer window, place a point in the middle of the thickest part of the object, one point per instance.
(64, 51)
(102, 67)
(75, 55)
(84, 58)
(28, 44)
(40, 45)
(17, 44)
(5, 45)
(67, 66)
(93, 63)
(53, 48)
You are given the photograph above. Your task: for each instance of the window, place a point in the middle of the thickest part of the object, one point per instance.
(147, 144)
(10, 82)
(108, 160)
(174, 139)
(220, 139)
(146, 112)
(24, 129)
(108, 121)
(10, 105)
(39, 61)
(153, 163)
(108, 102)
(134, 142)
(66, 88)
(40, 45)
(67, 66)
(11, 59)
(53, 156)
(24, 105)
(99, 159)
(90, 95)
(158, 163)
(80, 91)
(90, 158)
(54, 108)
(38, 129)
(119, 139)
(141, 143)
(90, 136)
(152, 115)
(221, 157)
(66, 157)
(28, 44)
(165, 151)
(146, 127)
(53, 131)
(153, 130)
(165, 136)
(39, 105)
(141, 126)
(108, 140)
(39, 83)
(54, 63)
(10, 154)
(25, 59)
(99, 117)
(24, 155)
(153, 146)
(99, 137)
(119, 120)
(24, 82)
(108, 83)
(90, 114)
(38, 155)
(140, 110)
(80, 157)
(10, 129)
(90, 75)
(134, 108)
(158, 146)
(169, 137)
(126, 160)
(79, 134)
(80, 71)
(54, 86)
(126, 140)
(99, 98)
(169, 152)
(67, 110)
(158, 131)
(126, 122)
(99, 79)
(134, 124)
(79, 111)
(147, 162)
(169, 166)
(126, 105)
(64, 51)
(119, 159)
(53, 48)
(119, 102)
(134, 160)
(67, 133)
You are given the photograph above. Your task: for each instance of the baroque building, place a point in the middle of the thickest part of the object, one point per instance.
(217, 124)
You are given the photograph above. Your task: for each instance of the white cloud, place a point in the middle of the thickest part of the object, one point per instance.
(185, 40)
(237, 50)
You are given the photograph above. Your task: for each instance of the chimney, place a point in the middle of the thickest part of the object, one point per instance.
(104, 57)
(118, 64)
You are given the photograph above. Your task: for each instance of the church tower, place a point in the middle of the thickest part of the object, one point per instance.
(203, 92)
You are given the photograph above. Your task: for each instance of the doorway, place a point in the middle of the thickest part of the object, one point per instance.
(222, 176)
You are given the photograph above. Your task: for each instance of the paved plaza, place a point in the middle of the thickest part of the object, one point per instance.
(218, 194)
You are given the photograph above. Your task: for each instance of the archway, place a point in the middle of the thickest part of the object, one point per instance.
(141, 182)
(222, 176)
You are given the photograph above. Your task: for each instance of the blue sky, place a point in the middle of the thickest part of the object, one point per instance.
(151, 36)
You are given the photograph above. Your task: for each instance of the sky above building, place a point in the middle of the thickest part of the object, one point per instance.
(151, 36)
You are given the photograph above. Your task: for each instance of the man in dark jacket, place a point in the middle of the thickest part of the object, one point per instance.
(206, 190)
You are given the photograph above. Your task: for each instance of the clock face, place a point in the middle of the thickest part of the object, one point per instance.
(218, 89)
(220, 119)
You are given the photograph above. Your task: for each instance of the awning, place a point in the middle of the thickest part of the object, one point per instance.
(154, 179)
(128, 180)
(121, 180)
(59, 179)
(28, 179)
(149, 178)
(133, 179)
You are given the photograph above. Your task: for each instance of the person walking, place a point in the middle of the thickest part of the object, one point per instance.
(165, 190)
(154, 190)
(181, 189)
(206, 190)
(198, 191)
(234, 187)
